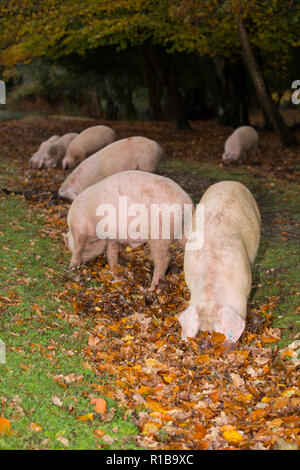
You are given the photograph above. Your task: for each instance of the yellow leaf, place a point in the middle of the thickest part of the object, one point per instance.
(289, 392)
(203, 358)
(218, 337)
(275, 423)
(4, 426)
(154, 406)
(85, 418)
(244, 398)
(145, 390)
(233, 436)
(127, 338)
(99, 432)
(152, 363)
(266, 399)
(151, 427)
(168, 378)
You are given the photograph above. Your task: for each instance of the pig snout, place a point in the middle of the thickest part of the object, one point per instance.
(68, 194)
(229, 323)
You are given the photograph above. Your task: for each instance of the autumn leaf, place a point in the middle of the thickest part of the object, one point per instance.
(151, 427)
(63, 440)
(99, 433)
(34, 427)
(85, 418)
(99, 405)
(233, 436)
(4, 426)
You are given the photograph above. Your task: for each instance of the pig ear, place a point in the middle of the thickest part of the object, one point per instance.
(229, 323)
(64, 164)
(190, 322)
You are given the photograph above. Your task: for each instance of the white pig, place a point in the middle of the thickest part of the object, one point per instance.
(56, 151)
(241, 142)
(37, 158)
(219, 273)
(90, 234)
(132, 153)
(89, 141)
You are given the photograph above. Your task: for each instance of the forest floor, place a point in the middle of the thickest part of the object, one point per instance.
(93, 360)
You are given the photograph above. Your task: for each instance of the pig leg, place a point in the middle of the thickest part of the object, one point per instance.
(253, 152)
(112, 253)
(78, 248)
(161, 258)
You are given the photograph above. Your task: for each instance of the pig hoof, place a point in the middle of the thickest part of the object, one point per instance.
(72, 267)
(152, 288)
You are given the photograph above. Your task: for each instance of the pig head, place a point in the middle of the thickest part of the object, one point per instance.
(224, 320)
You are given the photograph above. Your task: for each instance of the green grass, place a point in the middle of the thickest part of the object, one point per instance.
(41, 344)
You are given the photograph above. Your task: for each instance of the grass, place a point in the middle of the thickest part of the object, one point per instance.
(42, 344)
(8, 115)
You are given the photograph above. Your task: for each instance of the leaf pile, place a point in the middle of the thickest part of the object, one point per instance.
(200, 394)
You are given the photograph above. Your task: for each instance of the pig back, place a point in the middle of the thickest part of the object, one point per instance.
(231, 210)
(139, 188)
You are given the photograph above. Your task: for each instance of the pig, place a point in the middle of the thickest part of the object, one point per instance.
(242, 142)
(218, 274)
(132, 153)
(56, 151)
(37, 158)
(89, 141)
(89, 235)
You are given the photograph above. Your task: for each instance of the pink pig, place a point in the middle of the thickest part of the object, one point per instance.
(241, 142)
(37, 159)
(218, 274)
(89, 141)
(132, 153)
(90, 234)
(56, 151)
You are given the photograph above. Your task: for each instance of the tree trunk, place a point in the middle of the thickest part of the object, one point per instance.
(285, 134)
(122, 97)
(164, 67)
(230, 92)
(154, 86)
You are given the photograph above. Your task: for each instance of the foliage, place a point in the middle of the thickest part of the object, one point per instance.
(54, 28)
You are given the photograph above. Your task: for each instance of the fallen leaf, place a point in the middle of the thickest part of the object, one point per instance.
(57, 401)
(85, 418)
(34, 427)
(63, 440)
(99, 432)
(4, 426)
(233, 436)
(99, 405)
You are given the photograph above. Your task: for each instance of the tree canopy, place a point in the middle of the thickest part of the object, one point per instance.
(33, 28)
